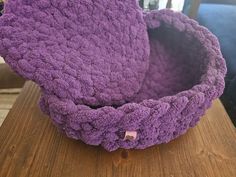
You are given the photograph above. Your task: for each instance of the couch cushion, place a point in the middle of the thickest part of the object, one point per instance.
(220, 19)
(219, 1)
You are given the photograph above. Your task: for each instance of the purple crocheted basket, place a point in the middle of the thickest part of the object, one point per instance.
(186, 73)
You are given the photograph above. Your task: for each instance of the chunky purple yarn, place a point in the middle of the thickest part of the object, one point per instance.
(98, 49)
(186, 73)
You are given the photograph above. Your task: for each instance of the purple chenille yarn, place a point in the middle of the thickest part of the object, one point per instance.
(91, 52)
(185, 74)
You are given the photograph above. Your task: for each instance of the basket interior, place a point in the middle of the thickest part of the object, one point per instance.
(177, 62)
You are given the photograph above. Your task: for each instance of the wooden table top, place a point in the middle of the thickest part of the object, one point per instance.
(31, 146)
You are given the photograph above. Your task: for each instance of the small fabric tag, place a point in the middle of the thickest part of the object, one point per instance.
(130, 135)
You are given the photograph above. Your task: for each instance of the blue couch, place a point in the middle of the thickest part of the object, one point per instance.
(219, 16)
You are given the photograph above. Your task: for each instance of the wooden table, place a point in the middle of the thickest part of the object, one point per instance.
(31, 146)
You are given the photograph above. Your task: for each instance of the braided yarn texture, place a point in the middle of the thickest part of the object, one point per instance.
(93, 52)
(186, 73)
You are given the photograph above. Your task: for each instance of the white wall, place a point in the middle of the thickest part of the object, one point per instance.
(177, 5)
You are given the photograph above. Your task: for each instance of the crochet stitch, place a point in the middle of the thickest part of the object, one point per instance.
(91, 52)
(186, 73)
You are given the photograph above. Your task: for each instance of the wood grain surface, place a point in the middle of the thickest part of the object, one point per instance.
(31, 146)
(3, 114)
(8, 79)
(7, 99)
